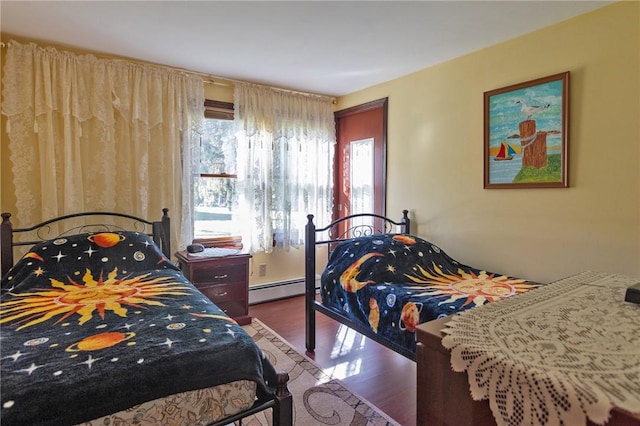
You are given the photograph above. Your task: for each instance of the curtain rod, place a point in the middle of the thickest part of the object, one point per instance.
(211, 79)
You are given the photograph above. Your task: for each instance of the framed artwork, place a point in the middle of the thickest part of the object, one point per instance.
(526, 134)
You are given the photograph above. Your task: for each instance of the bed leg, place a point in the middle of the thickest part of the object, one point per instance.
(283, 411)
(6, 241)
(310, 284)
(310, 321)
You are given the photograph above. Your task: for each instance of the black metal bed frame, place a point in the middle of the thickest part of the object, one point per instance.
(339, 231)
(281, 403)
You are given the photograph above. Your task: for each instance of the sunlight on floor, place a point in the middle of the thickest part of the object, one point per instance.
(344, 370)
(346, 340)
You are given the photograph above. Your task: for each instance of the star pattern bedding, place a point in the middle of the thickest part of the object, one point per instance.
(390, 283)
(96, 323)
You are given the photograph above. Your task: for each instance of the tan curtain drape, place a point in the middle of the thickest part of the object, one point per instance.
(93, 134)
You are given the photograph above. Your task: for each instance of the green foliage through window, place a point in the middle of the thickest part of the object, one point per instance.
(215, 188)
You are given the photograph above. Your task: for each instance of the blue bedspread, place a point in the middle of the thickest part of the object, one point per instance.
(96, 323)
(390, 283)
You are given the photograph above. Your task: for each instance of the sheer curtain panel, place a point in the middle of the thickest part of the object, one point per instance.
(286, 144)
(93, 134)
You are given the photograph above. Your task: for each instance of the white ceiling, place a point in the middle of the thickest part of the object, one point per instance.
(325, 47)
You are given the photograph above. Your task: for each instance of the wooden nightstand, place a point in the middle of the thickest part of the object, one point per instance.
(224, 280)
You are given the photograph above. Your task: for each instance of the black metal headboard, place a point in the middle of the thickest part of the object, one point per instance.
(349, 227)
(343, 229)
(160, 231)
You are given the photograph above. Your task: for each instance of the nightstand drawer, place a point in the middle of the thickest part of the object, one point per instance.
(219, 293)
(234, 309)
(223, 280)
(218, 273)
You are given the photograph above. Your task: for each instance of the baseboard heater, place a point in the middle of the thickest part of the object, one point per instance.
(277, 290)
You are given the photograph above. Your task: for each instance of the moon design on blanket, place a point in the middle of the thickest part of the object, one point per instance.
(33, 255)
(348, 279)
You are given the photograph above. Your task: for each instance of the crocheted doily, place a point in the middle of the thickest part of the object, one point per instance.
(556, 355)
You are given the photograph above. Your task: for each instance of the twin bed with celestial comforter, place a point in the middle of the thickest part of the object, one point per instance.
(393, 282)
(103, 328)
(383, 284)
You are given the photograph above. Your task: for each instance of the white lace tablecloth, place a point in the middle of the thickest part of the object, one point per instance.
(556, 355)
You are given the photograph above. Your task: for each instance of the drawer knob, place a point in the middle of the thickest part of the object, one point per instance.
(220, 277)
(222, 294)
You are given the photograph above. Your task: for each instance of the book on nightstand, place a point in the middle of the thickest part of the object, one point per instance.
(633, 294)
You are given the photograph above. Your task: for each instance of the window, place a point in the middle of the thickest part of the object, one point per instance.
(215, 185)
(284, 153)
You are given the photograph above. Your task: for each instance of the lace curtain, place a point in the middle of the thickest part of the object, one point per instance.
(286, 144)
(91, 134)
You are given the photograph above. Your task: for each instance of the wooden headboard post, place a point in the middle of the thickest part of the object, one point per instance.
(310, 283)
(6, 244)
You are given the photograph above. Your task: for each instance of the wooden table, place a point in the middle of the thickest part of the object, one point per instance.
(443, 396)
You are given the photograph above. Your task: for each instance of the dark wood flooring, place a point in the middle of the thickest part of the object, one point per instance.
(379, 375)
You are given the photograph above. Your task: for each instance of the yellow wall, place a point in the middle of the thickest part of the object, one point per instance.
(435, 152)
(435, 155)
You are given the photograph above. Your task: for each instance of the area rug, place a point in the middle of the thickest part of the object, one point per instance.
(318, 398)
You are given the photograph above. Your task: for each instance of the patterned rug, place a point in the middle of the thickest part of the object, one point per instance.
(318, 399)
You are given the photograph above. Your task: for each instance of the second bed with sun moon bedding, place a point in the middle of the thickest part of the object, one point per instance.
(98, 323)
(390, 283)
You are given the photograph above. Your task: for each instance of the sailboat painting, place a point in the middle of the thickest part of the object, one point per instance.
(505, 153)
(525, 134)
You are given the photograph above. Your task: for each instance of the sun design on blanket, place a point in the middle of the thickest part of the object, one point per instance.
(94, 295)
(475, 288)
